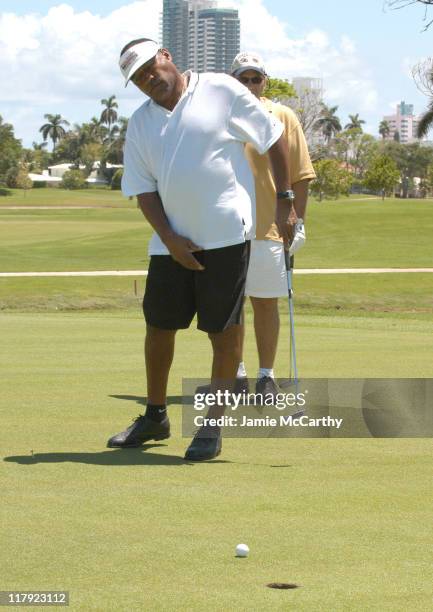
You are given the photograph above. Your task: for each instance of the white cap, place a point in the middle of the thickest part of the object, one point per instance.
(136, 56)
(247, 61)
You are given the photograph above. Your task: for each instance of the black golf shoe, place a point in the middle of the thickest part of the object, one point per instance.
(241, 385)
(205, 445)
(142, 430)
(268, 388)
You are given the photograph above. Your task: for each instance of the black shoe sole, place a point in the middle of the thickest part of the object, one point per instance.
(138, 444)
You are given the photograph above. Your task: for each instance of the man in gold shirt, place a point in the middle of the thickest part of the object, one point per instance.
(266, 279)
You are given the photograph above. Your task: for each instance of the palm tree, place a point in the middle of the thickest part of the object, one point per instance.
(355, 123)
(328, 122)
(384, 129)
(426, 121)
(84, 134)
(109, 114)
(53, 129)
(123, 127)
(96, 129)
(423, 76)
(110, 135)
(39, 146)
(116, 142)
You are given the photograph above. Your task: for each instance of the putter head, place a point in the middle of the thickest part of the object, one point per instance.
(287, 383)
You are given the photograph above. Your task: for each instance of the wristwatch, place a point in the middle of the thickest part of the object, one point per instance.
(285, 195)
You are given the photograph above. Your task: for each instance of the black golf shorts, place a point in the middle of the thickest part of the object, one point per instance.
(175, 294)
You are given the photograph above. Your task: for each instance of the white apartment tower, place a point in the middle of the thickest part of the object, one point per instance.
(404, 123)
(199, 35)
(195, 31)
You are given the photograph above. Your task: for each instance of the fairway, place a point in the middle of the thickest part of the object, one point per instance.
(347, 520)
(330, 515)
(342, 234)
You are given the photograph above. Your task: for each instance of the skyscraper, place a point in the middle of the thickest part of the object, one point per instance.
(218, 40)
(175, 32)
(404, 123)
(194, 25)
(199, 35)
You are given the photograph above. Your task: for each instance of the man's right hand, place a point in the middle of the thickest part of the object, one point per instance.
(182, 249)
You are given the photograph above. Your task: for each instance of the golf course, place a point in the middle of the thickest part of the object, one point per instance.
(348, 521)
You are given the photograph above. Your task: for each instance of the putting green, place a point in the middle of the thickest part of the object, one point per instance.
(347, 520)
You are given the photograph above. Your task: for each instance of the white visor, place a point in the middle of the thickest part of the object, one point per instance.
(136, 56)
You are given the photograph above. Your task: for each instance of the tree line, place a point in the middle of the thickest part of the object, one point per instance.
(345, 158)
(101, 139)
(351, 159)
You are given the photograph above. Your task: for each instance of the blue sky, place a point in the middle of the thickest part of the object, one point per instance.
(69, 55)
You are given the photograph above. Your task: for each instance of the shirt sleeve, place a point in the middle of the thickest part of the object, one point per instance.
(300, 165)
(250, 122)
(137, 177)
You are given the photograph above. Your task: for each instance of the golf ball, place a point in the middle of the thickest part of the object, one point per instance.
(242, 550)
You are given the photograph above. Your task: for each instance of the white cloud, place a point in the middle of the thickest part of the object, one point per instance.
(347, 81)
(259, 27)
(66, 61)
(69, 54)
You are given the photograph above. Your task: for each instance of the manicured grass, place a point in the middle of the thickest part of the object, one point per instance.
(340, 234)
(402, 295)
(54, 196)
(370, 233)
(347, 520)
(40, 240)
(72, 293)
(365, 294)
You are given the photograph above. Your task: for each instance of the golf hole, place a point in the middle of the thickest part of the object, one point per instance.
(282, 585)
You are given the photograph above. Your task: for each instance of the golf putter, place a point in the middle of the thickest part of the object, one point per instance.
(290, 260)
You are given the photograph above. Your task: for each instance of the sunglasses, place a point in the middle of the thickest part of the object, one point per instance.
(255, 80)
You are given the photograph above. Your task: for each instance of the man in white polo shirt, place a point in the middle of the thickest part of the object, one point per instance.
(184, 160)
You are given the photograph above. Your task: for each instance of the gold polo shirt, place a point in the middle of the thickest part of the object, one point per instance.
(300, 167)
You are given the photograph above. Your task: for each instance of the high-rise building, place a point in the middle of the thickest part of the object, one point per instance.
(218, 40)
(194, 24)
(199, 35)
(404, 123)
(175, 31)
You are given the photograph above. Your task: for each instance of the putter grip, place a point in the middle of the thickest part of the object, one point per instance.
(290, 260)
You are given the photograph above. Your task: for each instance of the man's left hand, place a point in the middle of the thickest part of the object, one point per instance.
(299, 237)
(285, 220)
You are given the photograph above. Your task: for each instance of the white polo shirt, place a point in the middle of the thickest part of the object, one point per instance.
(194, 157)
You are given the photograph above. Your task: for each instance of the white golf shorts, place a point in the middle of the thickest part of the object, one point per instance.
(267, 277)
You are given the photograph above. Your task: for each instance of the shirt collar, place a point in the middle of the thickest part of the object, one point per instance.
(193, 80)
